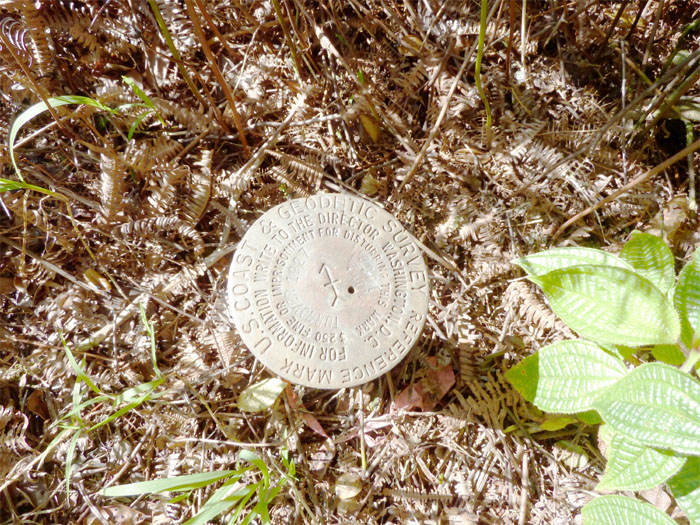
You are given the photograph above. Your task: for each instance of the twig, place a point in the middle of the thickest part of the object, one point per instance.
(688, 150)
(691, 167)
(217, 72)
(50, 266)
(438, 122)
(173, 50)
(525, 482)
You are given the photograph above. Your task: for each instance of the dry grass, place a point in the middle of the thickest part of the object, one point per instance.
(369, 97)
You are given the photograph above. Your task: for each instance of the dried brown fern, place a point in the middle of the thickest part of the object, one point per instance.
(154, 226)
(38, 30)
(199, 187)
(112, 186)
(163, 197)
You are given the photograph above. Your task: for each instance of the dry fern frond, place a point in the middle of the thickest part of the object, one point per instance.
(13, 428)
(153, 226)
(304, 170)
(193, 119)
(490, 397)
(532, 309)
(143, 155)
(200, 188)
(112, 174)
(179, 26)
(234, 182)
(18, 36)
(37, 27)
(163, 197)
(280, 175)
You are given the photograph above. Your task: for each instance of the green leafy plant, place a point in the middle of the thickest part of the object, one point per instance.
(232, 493)
(122, 403)
(629, 310)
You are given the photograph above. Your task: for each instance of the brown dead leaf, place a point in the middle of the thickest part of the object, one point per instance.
(36, 404)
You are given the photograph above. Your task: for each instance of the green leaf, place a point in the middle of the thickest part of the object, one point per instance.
(651, 258)
(589, 417)
(254, 459)
(657, 405)
(38, 108)
(687, 298)
(633, 466)
(77, 369)
(121, 412)
(670, 354)
(685, 487)
(146, 100)
(10, 185)
(553, 423)
(610, 305)
(566, 376)
(262, 395)
(619, 510)
(559, 258)
(178, 483)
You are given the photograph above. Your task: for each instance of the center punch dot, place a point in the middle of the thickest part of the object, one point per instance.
(351, 289)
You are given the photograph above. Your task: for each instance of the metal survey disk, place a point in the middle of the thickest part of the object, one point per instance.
(328, 291)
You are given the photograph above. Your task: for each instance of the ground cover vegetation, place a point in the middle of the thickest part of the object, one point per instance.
(144, 136)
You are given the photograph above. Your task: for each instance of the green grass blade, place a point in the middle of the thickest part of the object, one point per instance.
(211, 509)
(77, 369)
(173, 50)
(10, 185)
(254, 459)
(178, 483)
(134, 126)
(138, 391)
(79, 406)
(147, 101)
(38, 108)
(120, 412)
(242, 505)
(69, 461)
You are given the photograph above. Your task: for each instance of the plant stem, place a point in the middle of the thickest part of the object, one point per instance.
(691, 361)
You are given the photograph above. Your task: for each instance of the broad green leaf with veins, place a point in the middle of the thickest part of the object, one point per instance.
(685, 487)
(657, 405)
(567, 376)
(619, 510)
(633, 466)
(558, 258)
(651, 258)
(687, 298)
(610, 305)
